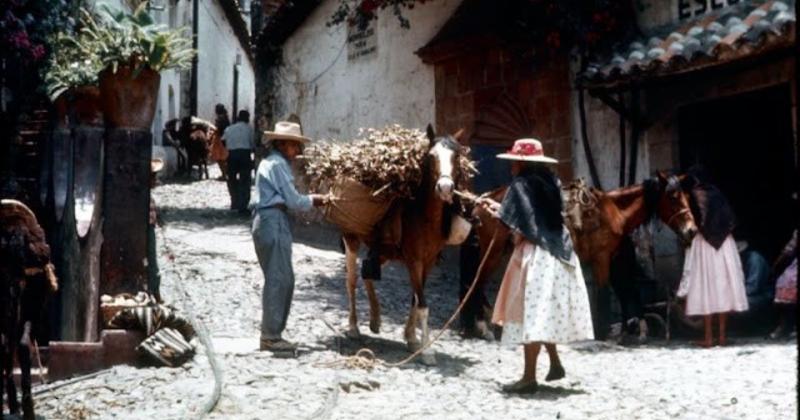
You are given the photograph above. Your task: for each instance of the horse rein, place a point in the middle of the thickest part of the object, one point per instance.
(672, 218)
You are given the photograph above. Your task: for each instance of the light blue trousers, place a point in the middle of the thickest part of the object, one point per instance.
(273, 242)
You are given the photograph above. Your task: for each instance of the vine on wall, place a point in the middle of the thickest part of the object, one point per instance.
(558, 25)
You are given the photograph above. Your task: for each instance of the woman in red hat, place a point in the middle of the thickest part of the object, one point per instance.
(543, 298)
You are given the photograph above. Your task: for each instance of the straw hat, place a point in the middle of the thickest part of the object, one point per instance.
(156, 165)
(527, 150)
(285, 130)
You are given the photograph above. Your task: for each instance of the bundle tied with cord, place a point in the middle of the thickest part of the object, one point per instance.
(365, 176)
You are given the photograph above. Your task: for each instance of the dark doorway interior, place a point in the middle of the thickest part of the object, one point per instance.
(746, 144)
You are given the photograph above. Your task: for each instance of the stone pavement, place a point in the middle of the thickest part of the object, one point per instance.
(217, 268)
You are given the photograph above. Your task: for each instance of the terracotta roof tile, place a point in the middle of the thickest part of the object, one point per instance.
(728, 34)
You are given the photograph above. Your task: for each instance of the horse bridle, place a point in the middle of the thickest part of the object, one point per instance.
(672, 218)
(673, 184)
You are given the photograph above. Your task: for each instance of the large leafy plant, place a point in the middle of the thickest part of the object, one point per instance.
(120, 38)
(74, 63)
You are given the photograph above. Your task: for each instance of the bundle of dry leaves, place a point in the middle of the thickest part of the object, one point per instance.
(388, 160)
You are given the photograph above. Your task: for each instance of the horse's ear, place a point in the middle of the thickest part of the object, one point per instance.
(662, 176)
(430, 133)
(459, 135)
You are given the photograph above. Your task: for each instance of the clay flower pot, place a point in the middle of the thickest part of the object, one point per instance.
(85, 106)
(128, 101)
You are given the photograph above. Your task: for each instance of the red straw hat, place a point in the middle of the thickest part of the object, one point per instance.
(527, 150)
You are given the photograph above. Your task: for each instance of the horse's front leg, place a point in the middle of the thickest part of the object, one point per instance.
(24, 357)
(420, 314)
(8, 371)
(374, 307)
(351, 249)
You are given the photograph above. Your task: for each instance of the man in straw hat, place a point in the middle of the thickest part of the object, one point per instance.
(275, 194)
(542, 299)
(153, 274)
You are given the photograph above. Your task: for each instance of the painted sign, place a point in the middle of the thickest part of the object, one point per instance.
(361, 43)
(693, 8)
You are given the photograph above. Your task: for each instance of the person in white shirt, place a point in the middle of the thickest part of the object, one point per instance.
(239, 142)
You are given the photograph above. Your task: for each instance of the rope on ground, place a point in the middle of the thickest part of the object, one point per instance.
(366, 359)
(200, 328)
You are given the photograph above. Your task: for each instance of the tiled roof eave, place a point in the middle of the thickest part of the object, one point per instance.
(752, 28)
(616, 79)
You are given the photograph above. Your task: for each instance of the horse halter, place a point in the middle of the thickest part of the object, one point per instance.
(674, 184)
(672, 218)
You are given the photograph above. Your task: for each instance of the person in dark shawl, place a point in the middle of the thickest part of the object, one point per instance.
(713, 278)
(543, 298)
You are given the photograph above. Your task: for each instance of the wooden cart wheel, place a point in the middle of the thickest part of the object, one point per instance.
(684, 321)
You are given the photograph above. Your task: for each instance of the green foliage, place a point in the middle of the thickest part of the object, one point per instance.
(550, 26)
(75, 63)
(121, 38)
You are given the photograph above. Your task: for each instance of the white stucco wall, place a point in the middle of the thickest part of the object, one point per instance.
(175, 14)
(334, 96)
(602, 126)
(218, 47)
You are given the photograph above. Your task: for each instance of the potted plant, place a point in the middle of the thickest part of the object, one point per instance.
(133, 49)
(70, 77)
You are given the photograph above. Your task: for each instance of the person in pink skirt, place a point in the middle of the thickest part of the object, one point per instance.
(543, 298)
(713, 278)
(786, 288)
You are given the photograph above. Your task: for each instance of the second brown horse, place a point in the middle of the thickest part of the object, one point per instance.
(598, 222)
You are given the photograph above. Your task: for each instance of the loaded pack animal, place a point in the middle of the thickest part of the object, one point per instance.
(194, 137)
(26, 278)
(600, 224)
(425, 221)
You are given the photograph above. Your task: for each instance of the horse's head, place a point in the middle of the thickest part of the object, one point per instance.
(673, 206)
(443, 155)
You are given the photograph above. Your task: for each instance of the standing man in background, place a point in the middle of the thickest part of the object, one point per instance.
(239, 142)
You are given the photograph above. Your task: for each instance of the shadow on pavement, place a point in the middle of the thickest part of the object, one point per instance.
(546, 392)
(205, 217)
(392, 351)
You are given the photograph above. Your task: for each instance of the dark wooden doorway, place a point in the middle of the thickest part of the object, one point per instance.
(746, 143)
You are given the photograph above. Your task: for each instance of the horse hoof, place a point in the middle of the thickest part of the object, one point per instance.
(413, 346)
(427, 359)
(353, 333)
(375, 326)
(483, 331)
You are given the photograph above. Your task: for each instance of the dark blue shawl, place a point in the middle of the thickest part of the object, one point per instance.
(532, 206)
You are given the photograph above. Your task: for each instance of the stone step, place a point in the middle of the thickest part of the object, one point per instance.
(71, 358)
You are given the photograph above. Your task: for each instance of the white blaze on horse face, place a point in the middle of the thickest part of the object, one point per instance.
(444, 185)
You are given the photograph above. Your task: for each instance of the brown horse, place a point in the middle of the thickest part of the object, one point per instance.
(598, 223)
(425, 224)
(27, 278)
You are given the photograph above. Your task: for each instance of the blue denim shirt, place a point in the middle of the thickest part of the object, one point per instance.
(275, 185)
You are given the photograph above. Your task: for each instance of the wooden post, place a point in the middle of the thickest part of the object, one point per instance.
(78, 262)
(126, 205)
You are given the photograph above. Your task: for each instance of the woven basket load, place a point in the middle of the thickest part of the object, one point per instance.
(354, 208)
(364, 177)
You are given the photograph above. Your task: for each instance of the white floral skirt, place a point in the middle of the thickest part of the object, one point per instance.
(542, 299)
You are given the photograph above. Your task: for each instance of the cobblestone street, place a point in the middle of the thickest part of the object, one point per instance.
(216, 266)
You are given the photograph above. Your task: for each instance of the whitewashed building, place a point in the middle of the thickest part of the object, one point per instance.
(337, 79)
(224, 65)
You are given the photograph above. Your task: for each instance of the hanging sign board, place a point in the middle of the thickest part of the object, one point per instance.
(693, 8)
(361, 43)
